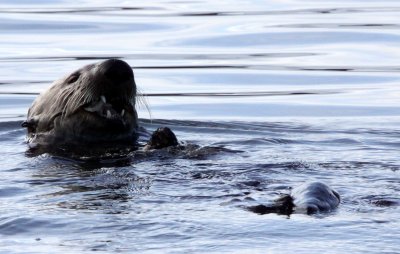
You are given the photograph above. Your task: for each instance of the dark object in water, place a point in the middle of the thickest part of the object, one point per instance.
(283, 205)
(161, 138)
(93, 105)
(308, 198)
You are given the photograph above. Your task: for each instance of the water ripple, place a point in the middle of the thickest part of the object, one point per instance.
(263, 96)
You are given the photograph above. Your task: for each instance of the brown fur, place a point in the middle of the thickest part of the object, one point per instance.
(71, 110)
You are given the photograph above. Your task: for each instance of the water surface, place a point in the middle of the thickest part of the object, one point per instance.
(266, 94)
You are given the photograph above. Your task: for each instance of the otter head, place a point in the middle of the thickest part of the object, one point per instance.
(95, 104)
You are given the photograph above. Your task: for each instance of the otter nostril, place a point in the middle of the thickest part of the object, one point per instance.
(117, 70)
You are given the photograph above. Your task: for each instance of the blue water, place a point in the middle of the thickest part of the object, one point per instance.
(266, 95)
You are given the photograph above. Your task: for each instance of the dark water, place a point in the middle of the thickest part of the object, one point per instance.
(266, 95)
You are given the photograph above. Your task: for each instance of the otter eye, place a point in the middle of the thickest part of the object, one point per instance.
(73, 78)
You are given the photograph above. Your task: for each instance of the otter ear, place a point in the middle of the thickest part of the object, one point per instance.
(25, 124)
(29, 123)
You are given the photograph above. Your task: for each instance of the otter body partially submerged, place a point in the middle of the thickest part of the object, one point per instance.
(314, 197)
(308, 198)
(95, 104)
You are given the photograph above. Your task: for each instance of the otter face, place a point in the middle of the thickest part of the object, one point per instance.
(93, 104)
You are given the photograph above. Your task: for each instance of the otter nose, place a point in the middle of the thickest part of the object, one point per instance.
(117, 71)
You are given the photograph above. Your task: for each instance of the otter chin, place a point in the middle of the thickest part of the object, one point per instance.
(94, 104)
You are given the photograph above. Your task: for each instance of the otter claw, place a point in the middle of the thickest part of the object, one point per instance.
(123, 112)
(103, 98)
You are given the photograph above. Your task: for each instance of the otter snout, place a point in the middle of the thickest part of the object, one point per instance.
(116, 71)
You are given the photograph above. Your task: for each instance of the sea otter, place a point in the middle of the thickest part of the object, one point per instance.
(308, 198)
(95, 104)
(314, 197)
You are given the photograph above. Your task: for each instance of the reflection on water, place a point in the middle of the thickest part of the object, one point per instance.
(264, 95)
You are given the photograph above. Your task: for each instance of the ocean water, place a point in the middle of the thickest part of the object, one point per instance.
(266, 95)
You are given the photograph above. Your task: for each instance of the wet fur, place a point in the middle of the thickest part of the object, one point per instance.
(58, 115)
(308, 198)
